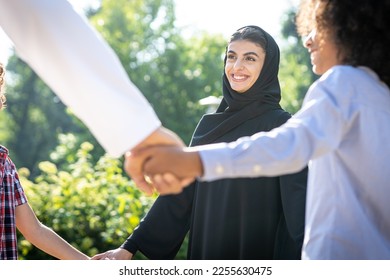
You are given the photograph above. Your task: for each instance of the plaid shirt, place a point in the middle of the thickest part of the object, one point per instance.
(11, 195)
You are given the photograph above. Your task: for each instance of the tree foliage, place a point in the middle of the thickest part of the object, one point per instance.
(34, 116)
(95, 207)
(173, 73)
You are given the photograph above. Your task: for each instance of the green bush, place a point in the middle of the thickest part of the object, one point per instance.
(94, 206)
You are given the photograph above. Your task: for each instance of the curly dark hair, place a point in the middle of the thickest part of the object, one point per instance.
(359, 28)
(2, 96)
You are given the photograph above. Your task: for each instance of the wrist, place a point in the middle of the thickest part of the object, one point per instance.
(125, 255)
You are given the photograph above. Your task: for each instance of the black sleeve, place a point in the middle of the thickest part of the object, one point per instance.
(293, 193)
(162, 231)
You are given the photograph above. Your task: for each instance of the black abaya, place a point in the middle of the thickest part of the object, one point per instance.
(242, 218)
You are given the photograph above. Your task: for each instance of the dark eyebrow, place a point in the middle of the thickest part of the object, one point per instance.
(245, 54)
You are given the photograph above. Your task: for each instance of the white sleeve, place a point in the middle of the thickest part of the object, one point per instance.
(72, 58)
(314, 131)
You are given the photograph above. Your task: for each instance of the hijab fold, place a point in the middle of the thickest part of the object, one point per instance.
(236, 108)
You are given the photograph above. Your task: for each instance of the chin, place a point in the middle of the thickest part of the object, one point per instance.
(238, 90)
(317, 71)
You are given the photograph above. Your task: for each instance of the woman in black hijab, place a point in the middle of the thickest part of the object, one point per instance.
(242, 218)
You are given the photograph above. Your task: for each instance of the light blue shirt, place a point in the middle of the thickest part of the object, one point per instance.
(343, 133)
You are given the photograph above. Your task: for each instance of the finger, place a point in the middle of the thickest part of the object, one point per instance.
(98, 256)
(159, 183)
(186, 181)
(167, 184)
(171, 179)
(162, 187)
(133, 165)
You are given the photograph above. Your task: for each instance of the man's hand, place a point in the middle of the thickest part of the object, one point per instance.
(134, 165)
(117, 254)
(168, 183)
(170, 168)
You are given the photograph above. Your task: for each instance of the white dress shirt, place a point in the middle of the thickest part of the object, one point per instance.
(343, 132)
(80, 67)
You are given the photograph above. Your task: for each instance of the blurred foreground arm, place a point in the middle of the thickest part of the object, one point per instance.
(81, 68)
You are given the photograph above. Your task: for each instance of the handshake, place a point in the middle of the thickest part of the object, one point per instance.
(162, 163)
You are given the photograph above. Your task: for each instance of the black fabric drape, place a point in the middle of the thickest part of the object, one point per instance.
(241, 218)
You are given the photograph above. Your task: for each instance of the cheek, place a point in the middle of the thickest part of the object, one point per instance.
(228, 67)
(228, 70)
(260, 67)
(256, 73)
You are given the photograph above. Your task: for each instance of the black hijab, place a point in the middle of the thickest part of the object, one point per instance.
(236, 108)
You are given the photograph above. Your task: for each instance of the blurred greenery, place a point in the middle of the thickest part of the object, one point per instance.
(295, 74)
(73, 186)
(174, 73)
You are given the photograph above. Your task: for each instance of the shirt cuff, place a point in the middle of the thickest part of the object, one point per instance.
(216, 161)
(130, 246)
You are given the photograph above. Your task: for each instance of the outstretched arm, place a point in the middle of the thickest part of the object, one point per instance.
(161, 232)
(81, 68)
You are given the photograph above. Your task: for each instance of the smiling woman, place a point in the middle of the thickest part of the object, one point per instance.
(257, 218)
(340, 130)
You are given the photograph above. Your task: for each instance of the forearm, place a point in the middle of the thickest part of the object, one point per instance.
(50, 242)
(163, 229)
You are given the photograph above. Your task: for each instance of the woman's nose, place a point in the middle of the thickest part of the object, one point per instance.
(239, 64)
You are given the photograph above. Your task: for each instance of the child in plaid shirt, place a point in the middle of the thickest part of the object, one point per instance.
(15, 212)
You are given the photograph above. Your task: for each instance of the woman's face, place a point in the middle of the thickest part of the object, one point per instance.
(323, 51)
(244, 61)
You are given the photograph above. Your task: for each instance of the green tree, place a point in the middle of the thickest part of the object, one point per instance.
(94, 207)
(172, 72)
(34, 116)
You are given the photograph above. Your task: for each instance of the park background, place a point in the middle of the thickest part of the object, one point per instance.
(73, 186)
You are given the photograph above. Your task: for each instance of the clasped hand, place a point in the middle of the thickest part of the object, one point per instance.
(162, 163)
